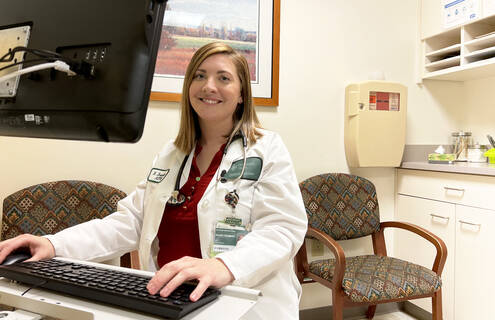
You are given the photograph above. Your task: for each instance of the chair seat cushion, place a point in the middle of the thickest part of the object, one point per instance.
(371, 278)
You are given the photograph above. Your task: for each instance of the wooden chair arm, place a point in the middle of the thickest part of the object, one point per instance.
(337, 251)
(301, 264)
(130, 260)
(441, 256)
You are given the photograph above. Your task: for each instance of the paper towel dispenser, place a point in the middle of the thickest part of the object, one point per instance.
(375, 123)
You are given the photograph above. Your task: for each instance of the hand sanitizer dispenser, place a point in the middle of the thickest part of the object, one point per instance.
(375, 123)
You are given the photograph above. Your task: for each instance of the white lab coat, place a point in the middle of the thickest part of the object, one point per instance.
(262, 259)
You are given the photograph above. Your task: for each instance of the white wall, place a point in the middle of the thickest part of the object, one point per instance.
(479, 109)
(436, 109)
(325, 45)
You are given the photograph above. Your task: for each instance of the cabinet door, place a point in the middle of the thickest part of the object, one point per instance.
(475, 263)
(439, 218)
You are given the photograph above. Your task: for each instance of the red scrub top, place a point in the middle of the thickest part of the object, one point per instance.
(178, 235)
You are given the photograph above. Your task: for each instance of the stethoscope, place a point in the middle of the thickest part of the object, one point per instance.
(231, 198)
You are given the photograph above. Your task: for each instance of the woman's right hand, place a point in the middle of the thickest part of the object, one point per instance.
(39, 247)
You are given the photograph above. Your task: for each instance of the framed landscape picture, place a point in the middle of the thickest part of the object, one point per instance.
(252, 27)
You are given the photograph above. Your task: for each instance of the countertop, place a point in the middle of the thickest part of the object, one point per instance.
(485, 169)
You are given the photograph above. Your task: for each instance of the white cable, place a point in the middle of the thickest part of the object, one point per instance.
(57, 65)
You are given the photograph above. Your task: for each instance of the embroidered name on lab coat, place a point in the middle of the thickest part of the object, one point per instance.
(251, 172)
(157, 175)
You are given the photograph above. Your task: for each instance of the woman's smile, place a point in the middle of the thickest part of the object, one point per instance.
(210, 100)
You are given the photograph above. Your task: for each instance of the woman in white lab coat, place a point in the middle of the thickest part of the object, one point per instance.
(221, 203)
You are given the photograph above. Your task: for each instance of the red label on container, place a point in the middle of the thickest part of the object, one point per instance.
(385, 101)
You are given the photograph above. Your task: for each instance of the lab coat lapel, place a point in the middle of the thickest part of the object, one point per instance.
(163, 192)
(187, 167)
(234, 152)
(158, 200)
(213, 197)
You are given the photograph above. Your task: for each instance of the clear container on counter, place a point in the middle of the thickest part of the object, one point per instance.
(476, 153)
(461, 142)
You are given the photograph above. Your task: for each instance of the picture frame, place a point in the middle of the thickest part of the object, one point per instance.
(185, 30)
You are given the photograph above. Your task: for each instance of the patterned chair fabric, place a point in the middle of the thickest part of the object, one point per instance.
(341, 205)
(372, 278)
(50, 207)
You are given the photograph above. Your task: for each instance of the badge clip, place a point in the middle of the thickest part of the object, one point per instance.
(232, 199)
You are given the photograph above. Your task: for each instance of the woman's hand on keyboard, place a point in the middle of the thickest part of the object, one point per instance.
(208, 272)
(39, 247)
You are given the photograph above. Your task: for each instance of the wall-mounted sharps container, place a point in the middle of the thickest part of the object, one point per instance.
(375, 123)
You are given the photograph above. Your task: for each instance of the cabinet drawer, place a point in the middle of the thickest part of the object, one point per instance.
(471, 190)
(439, 218)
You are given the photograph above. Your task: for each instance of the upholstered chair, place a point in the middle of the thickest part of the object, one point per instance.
(343, 206)
(47, 208)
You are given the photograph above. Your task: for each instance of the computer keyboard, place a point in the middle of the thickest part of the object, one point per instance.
(106, 285)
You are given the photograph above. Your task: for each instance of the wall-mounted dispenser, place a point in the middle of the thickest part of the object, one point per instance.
(375, 123)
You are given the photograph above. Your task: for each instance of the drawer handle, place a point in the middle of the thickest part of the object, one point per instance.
(454, 189)
(470, 223)
(438, 216)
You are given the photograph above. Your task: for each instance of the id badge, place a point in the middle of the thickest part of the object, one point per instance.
(226, 235)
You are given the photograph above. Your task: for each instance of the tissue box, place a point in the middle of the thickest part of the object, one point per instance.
(441, 157)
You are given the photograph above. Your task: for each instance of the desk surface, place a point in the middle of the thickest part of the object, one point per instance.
(231, 304)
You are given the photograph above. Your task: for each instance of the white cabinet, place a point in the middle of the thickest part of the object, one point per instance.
(439, 218)
(461, 53)
(465, 189)
(474, 263)
(458, 208)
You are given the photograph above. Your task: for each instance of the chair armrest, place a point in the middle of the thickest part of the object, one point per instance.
(441, 256)
(130, 260)
(337, 251)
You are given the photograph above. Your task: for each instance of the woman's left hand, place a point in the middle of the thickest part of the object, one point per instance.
(208, 272)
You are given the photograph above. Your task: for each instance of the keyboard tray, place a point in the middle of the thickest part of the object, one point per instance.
(119, 288)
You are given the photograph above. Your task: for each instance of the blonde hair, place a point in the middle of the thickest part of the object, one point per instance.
(245, 117)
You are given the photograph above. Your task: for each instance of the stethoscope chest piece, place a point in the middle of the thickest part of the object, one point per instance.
(232, 198)
(176, 198)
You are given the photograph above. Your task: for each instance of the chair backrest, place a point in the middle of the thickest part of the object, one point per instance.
(343, 206)
(53, 206)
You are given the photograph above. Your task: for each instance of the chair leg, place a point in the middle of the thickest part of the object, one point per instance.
(337, 306)
(371, 311)
(436, 303)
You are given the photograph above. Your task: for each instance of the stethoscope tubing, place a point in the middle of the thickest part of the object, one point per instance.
(177, 199)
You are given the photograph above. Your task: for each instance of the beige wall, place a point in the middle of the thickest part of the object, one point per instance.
(325, 45)
(479, 109)
(436, 109)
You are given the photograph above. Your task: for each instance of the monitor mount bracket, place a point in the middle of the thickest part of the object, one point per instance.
(9, 39)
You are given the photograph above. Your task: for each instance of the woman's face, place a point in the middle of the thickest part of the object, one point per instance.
(215, 90)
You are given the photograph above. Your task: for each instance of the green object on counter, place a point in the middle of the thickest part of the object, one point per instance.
(441, 157)
(490, 154)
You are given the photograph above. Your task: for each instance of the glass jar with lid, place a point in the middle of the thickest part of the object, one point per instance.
(476, 153)
(461, 142)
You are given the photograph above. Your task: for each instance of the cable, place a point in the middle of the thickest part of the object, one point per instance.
(26, 61)
(35, 286)
(9, 56)
(57, 65)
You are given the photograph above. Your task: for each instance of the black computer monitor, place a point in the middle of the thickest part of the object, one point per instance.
(112, 46)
